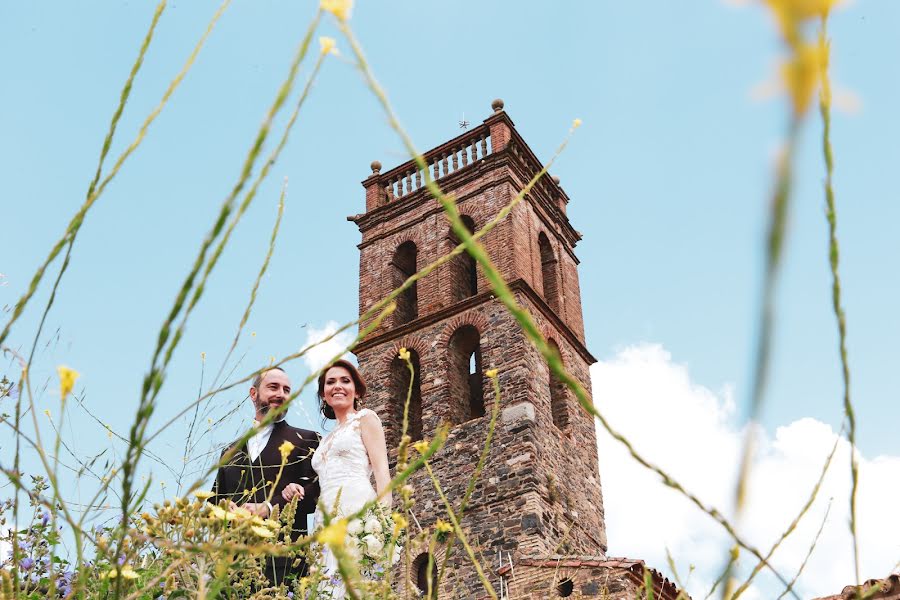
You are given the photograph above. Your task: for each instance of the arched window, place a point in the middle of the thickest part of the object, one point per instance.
(549, 275)
(463, 274)
(426, 578)
(399, 387)
(559, 408)
(565, 587)
(465, 377)
(403, 265)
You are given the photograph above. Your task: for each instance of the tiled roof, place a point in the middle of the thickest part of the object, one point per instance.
(634, 566)
(890, 590)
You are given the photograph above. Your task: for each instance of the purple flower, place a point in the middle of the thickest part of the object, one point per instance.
(45, 517)
(121, 560)
(290, 594)
(26, 563)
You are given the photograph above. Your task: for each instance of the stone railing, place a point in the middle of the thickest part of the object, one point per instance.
(450, 157)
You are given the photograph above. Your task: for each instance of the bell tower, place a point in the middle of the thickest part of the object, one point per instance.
(539, 494)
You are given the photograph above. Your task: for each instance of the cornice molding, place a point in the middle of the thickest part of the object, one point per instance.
(518, 285)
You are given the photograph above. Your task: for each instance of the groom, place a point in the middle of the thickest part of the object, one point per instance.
(248, 476)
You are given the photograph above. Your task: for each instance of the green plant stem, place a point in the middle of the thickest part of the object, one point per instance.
(793, 525)
(485, 451)
(812, 547)
(154, 379)
(451, 514)
(836, 301)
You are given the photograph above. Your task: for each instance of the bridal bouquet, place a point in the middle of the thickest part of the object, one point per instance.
(376, 540)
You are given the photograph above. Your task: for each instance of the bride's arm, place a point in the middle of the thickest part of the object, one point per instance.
(373, 438)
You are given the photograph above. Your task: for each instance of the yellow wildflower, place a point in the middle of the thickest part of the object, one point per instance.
(802, 73)
(67, 379)
(491, 373)
(203, 356)
(47, 412)
(442, 526)
(285, 448)
(221, 514)
(203, 494)
(242, 513)
(790, 12)
(262, 531)
(127, 573)
(400, 523)
(576, 123)
(327, 45)
(334, 534)
(421, 446)
(404, 354)
(273, 525)
(339, 8)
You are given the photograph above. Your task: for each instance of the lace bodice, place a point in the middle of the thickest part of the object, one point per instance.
(342, 463)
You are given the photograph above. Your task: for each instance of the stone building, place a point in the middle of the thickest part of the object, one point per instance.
(873, 589)
(538, 501)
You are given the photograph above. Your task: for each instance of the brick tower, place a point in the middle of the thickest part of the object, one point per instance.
(539, 494)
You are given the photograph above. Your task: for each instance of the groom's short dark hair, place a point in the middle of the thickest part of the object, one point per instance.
(259, 376)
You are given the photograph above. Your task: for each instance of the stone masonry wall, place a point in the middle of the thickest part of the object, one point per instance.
(539, 492)
(585, 577)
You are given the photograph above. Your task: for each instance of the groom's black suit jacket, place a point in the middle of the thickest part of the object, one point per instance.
(240, 474)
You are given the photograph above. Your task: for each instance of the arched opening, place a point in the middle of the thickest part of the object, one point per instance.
(559, 408)
(403, 265)
(426, 578)
(399, 387)
(465, 376)
(565, 587)
(463, 272)
(549, 275)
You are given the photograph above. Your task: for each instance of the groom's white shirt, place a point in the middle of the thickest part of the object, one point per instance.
(259, 440)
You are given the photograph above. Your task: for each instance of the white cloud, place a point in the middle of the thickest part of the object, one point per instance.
(318, 356)
(692, 433)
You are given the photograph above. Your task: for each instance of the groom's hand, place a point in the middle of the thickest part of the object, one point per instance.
(291, 491)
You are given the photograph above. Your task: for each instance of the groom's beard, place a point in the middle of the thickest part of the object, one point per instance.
(265, 409)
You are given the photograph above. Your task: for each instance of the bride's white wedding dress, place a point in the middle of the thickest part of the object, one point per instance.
(345, 480)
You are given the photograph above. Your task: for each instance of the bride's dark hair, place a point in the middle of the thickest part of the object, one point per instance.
(358, 383)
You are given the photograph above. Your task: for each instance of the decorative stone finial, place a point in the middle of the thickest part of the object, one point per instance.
(376, 167)
(555, 179)
(497, 105)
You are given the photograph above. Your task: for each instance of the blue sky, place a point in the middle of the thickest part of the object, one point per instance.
(669, 179)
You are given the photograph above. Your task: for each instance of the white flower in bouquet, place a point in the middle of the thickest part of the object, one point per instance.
(395, 557)
(353, 551)
(374, 546)
(354, 527)
(373, 525)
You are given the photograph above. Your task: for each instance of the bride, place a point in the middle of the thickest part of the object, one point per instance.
(349, 456)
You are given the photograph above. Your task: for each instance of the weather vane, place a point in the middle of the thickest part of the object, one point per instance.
(464, 124)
